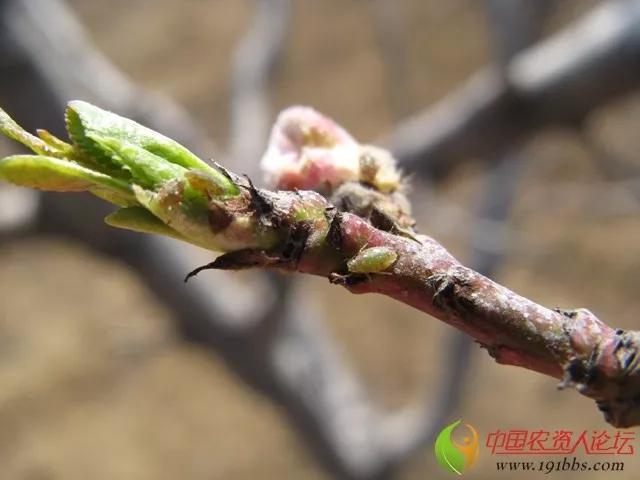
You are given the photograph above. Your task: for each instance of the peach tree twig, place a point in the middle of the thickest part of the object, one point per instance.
(359, 235)
(274, 341)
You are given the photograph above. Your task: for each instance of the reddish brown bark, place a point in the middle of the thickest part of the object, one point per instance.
(571, 345)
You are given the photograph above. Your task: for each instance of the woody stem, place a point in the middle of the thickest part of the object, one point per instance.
(573, 346)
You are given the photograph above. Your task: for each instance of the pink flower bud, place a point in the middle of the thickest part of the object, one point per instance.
(310, 151)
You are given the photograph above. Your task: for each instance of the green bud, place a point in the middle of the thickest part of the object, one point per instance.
(163, 187)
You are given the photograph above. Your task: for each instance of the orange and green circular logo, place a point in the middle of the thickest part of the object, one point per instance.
(454, 456)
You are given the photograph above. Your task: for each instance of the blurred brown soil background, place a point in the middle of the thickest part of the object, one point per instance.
(96, 383)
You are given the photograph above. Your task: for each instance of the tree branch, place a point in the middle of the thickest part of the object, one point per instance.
(572, 345)
(163, 188)
(557, 82)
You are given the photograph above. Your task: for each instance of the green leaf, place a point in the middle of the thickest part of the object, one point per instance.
(88, 152)
(54, 174)
(54, 142)
(114, 196)
(14, 131)
(447, 454)
(84, 119)
(141, 220)
(147, 169)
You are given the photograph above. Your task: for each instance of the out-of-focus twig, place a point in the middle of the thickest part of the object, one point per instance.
(255, 58)
(514, 25)
(389, 21)
(557, 82)
(609, 163)
(63, 56)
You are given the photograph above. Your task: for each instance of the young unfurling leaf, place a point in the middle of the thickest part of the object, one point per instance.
(14, 131)
(145, 168)
(163, 187)
(141, 220)
(54, 174)
(86, 122)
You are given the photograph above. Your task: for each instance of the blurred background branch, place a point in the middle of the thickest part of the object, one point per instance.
(558, 82)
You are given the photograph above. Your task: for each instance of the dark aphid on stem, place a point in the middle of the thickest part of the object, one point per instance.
(296, 242)
(334, 235)
(259, 203)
